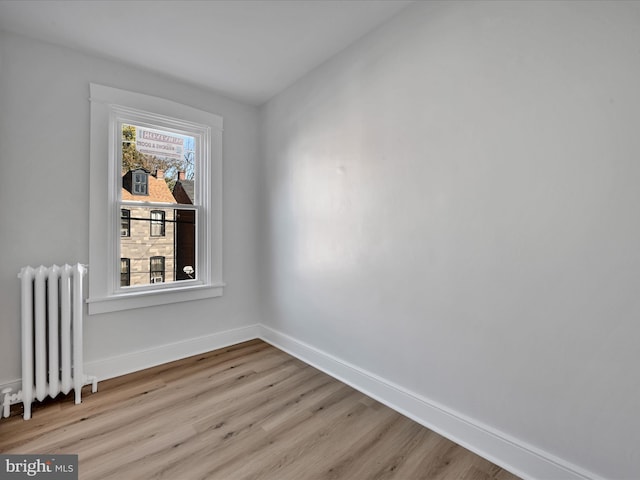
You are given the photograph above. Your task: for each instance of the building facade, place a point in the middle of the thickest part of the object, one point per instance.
(147, 234)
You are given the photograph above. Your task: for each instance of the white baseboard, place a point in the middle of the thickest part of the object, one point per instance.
(518, 457)
(118, 365)
(512, 454)
(136, 361)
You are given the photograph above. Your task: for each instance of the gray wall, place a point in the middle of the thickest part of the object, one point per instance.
(44, 187)
(452, 204)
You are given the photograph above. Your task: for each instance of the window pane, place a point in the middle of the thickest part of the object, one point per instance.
(154, 153)
(176, 245)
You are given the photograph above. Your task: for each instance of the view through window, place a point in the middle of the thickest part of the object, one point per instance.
(158, 208)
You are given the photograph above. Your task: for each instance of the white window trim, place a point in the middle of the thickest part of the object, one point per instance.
(104, 292)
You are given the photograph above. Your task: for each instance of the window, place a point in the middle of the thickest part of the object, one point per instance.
(156, 269)
(140, 183)
(157, 223)
(125, 222)
(158, 175)
(125, 275)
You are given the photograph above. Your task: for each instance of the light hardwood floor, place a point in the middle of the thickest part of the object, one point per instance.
(249, 411)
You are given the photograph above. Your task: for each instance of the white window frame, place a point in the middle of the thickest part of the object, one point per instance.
(109, 107)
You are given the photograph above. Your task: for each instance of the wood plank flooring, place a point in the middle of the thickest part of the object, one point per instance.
(249, 411)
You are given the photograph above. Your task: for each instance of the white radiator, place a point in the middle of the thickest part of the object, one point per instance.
(52, 315)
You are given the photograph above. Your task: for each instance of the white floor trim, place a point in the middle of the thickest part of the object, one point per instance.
(118, 365)
(512, 454)
(522, 459)
(136, 361)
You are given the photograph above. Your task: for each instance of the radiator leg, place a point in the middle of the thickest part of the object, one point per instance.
(6, 402)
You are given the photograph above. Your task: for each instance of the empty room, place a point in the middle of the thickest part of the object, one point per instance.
(316, 239)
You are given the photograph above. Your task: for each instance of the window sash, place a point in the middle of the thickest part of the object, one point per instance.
(202, 271)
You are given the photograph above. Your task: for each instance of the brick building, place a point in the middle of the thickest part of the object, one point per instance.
(147, 234)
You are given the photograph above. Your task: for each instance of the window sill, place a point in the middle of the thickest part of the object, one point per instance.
(128, 301)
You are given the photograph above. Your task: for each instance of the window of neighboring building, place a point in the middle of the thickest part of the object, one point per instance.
(140, 183)
(157, 223)
(125, 275)
(156, 269)
(153, 145)
(125, 222)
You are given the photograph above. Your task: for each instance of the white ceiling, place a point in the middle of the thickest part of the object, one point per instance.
(246, 49)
